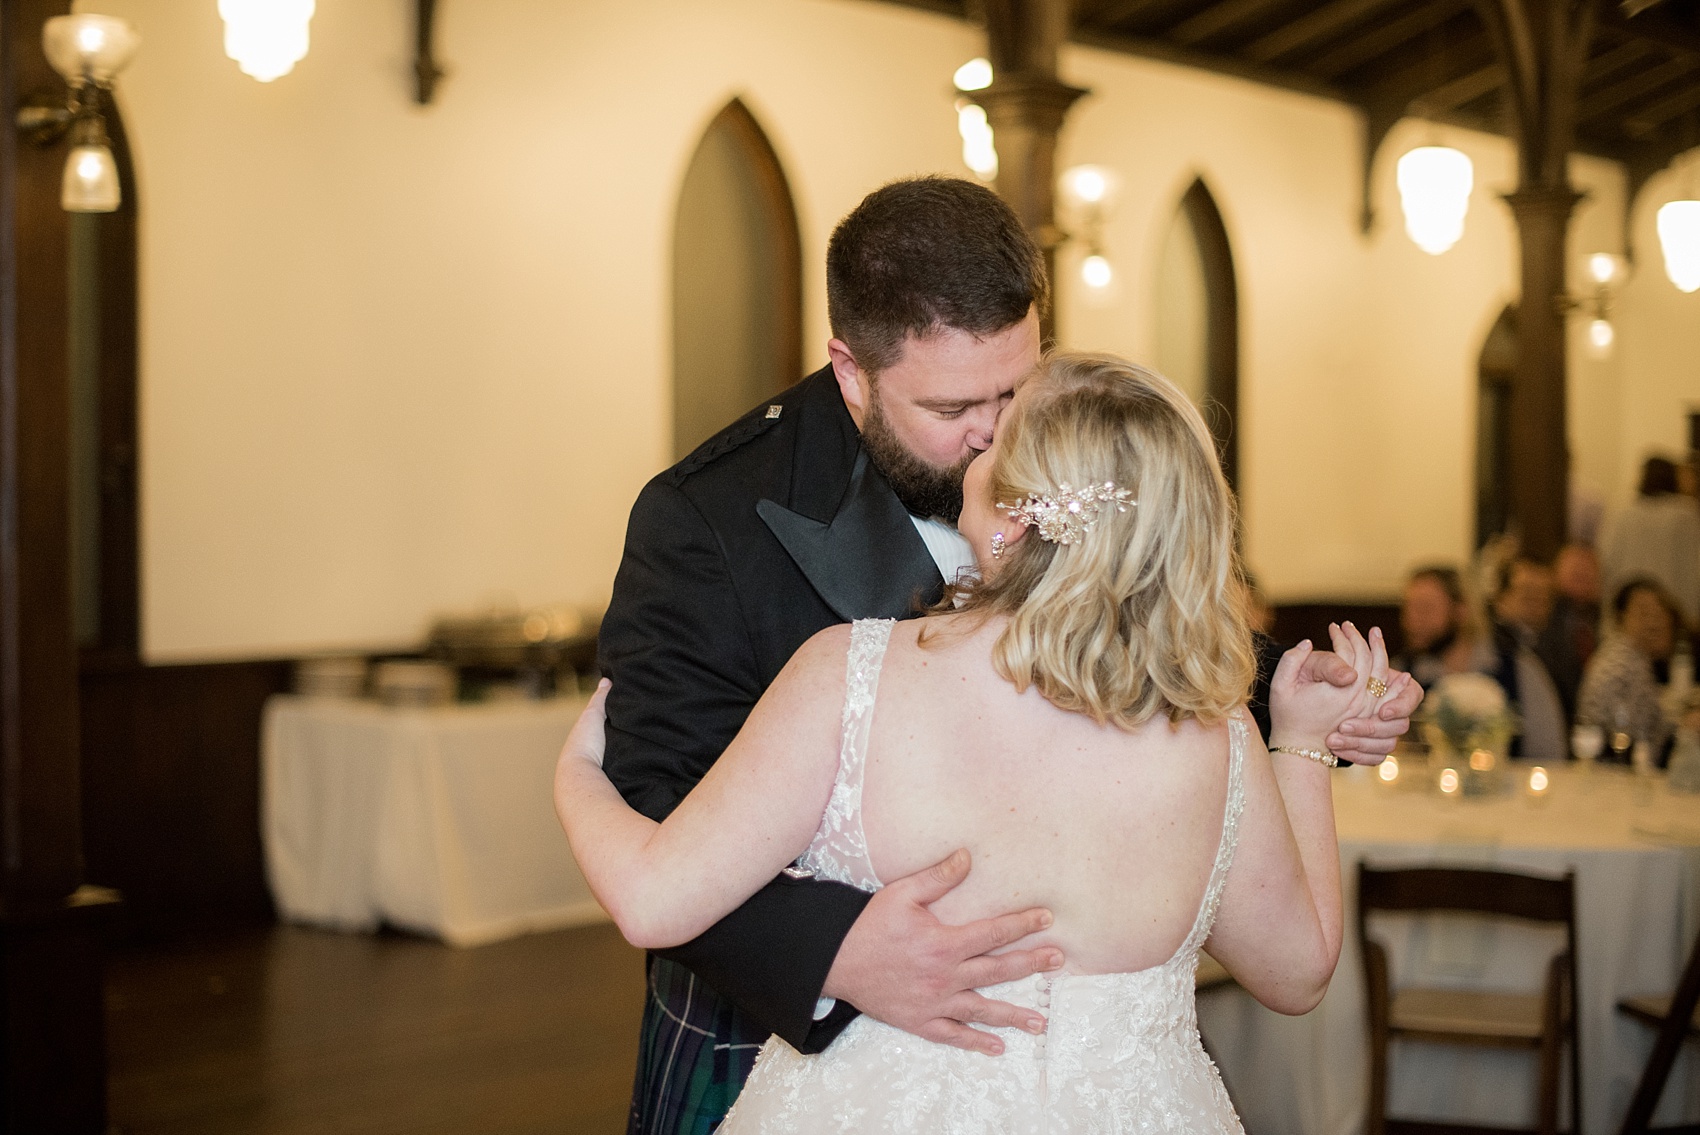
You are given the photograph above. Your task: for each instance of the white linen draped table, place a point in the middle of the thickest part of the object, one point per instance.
(1635, 849)
(436, 820)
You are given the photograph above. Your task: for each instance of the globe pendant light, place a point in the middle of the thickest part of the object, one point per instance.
(1679, 234)
(1434, 191)
(267, 38)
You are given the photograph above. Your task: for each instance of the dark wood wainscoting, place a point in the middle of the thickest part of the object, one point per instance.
(171, 790)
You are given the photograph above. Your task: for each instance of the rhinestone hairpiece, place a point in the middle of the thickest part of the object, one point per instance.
(1068, 514)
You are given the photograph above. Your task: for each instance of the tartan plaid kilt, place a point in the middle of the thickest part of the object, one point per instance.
(694, 1053)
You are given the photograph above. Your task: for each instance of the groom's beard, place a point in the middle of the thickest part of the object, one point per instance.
(924, 488)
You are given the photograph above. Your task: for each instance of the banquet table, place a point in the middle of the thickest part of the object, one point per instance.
(1635, 849)
(436, 820)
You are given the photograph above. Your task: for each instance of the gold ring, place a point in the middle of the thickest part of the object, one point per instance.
(1377, 688)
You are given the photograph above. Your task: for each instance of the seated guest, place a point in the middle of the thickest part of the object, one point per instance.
(1576, 611)
(1620, 689)
(1524, 606)
(1657, 537)
(1443, 636)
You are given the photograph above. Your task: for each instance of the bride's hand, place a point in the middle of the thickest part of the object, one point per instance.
(1306, 707)
(589, 738)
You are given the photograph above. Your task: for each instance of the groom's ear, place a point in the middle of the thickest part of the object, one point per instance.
(854, 383)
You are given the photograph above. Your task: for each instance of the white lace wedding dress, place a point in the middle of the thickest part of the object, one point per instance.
(1122, 1053)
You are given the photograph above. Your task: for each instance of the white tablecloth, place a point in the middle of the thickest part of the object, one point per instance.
(435, 820)
(1638, 893)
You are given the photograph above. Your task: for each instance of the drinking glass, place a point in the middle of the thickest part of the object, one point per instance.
(1586, 742)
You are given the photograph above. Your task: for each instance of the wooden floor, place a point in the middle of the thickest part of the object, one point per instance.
(289, 1031)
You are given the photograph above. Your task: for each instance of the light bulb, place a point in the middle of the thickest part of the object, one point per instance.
(1679, 234)
(979, 151)
(1089, 188)
(87, 48)
(1603, 267)
(1434, 190)
(1601, 335)
(90, 184)
(266, 38)
(974, 75)
(1096, 272)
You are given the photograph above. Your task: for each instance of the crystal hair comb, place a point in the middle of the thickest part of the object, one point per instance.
(1068, 514)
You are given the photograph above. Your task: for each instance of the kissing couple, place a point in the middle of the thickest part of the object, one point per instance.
(934, 705)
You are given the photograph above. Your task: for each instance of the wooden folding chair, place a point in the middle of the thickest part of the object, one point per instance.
(1539, 1022)
(1676, 1018)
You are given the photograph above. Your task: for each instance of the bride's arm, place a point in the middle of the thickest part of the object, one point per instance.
(1281, 921)
(751, 816)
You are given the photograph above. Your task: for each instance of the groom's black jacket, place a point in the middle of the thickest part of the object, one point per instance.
(774, 529)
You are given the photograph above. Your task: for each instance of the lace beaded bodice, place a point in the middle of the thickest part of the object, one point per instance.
(1121, 1055)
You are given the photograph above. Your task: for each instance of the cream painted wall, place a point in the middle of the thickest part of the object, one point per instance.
(1660, 339)
(398, 360)
(1358, 355)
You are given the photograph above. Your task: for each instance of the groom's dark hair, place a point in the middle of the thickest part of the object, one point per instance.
(927, 253)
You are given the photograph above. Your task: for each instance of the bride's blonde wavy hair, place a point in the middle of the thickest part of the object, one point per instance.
(1146, 614)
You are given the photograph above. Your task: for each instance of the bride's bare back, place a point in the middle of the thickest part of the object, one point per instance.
(1113, 831)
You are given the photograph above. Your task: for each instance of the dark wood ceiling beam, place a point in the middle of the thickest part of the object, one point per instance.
(1466, 89)
(1216, 19)
(1109, 14)
(1384, 39)
(1608, 62)
(1642, 83)
(1149, 48)
(1325, 22)
(1424, 73)
(1652, 27)
(1646, 120)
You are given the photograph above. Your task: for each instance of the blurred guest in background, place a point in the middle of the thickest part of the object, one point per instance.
(1657, 537)
(1620, 689)
(1524, 606)
(1577, 608)
(1444, 636)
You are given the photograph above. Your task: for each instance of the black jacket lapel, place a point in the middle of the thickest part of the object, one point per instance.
(867, 562)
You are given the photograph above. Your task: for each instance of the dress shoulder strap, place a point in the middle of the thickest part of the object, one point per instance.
(1231, 811)
(839, 851)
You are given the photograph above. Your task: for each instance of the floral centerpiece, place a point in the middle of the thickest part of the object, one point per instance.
(1467, 720)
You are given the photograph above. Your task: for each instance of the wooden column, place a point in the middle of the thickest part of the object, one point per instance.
(52, 1067)
(1544, 46)
(1026, 105)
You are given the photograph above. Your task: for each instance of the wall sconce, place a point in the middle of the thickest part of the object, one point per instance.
(1434, 192)
(88, 51)
(979, 151)
(1604, 271)
(1088, 193)
(266, 38)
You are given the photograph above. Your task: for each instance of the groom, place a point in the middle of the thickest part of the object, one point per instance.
(835, 501)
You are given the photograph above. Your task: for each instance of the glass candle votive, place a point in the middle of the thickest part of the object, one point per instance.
(1540, 783)
(1449, 781)
(1388, 770)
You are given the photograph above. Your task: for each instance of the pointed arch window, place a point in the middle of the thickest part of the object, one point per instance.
(1198, 343)
(737, 280)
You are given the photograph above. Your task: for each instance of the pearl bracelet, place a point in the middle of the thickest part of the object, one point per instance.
(1320, 756)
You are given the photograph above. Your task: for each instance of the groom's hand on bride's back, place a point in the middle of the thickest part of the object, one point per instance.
(901, 965)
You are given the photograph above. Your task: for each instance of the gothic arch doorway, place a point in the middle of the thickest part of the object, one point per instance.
(737, 280)
(1198, 318)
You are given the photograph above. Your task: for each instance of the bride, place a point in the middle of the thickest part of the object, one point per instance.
(1074, 720)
